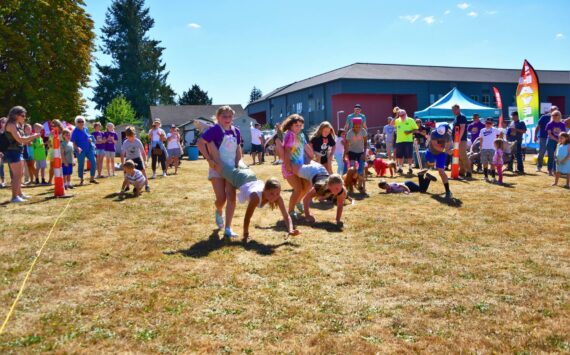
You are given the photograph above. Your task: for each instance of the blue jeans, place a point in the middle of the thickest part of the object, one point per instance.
(341, 169)
(81, 162)
(551, 150)
(541, 151)
(519, 155)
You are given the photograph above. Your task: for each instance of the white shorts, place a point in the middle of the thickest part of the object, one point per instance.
(309, 171)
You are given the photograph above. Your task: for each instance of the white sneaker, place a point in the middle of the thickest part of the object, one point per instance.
(228, 233)
(25, 197)
(17, 199)
(219, 220)
(153, 176)
(164, 175)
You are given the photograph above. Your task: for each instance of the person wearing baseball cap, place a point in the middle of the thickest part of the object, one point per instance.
(357, 114)
(439, 144)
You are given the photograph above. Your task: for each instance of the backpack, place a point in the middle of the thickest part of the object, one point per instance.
(4, 143)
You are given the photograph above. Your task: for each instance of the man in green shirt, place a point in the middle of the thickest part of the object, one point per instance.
(405, 129)
(357, 114)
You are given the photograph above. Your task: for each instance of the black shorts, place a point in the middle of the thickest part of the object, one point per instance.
(352, 156)
(256, 148)
(138, 163)
(324, 159)
(404, 150)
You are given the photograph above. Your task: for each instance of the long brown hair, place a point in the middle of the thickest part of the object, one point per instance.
(291, 120)
(270, 184)
(322, 186)
(319, 130)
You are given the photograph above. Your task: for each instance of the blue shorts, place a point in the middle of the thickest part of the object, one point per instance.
(99, 151)
(13, 156)
(438, 159)
(67, 169)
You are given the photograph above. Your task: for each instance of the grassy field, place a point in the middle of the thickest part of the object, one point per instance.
(489, 273)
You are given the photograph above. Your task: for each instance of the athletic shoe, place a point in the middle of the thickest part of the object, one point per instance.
(70, 187)
(431, 177)
(538, 170)
(17, 199)
(153, 176)
(294, 215)
(448, 195)
(219, 220)
(147, 188)
(410, 171)
(25, 197)
(164, 175)
(300, 207)
(400, 171)
(2, 185)
(228, 233)
(494, 180)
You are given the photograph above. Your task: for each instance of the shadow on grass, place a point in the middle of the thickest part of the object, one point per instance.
(280, 226)
(118, 197)
(508, 185)
(451, 202)
(203, 248)
(322, 205)
(359, 196)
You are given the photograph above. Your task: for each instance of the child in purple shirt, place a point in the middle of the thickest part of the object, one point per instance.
(111, 139)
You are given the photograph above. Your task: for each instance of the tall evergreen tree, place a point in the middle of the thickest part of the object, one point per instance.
(45, 56)
(137, 71)
(195, 96)
(255, 95)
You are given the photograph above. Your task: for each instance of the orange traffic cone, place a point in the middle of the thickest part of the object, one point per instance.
(59, 190)
(455, 159)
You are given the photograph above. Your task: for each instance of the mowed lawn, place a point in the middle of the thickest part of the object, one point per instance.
(407, 274)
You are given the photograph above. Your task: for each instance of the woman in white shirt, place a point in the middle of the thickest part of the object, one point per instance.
(174, 148)
(157, 149)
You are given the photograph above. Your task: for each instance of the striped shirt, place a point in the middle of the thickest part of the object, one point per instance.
(136, 177)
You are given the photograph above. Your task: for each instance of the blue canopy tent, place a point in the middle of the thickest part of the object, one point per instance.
(441, 109)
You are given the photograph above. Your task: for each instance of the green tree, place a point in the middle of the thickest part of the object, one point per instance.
(255, 95)
(195, 96)
(136, 71)
(120, 111)
(45, 55)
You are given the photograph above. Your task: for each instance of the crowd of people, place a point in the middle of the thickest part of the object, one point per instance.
(28, 151)
(306, 158)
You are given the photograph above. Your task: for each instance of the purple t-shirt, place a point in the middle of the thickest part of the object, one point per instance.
(99, 135)
(110, 139)
(555, 128)
(216, 134)
(474, 129)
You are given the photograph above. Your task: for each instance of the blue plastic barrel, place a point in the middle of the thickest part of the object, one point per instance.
(192, 152)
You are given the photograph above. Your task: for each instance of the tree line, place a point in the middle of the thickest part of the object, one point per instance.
(46, 51)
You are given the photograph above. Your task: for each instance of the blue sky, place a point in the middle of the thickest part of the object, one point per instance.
(227, 47)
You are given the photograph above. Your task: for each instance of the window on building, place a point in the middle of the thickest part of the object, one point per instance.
(474, 97)
(320, 106)
(486, 100)
(431, 99)
(298, 107)
(311, 107)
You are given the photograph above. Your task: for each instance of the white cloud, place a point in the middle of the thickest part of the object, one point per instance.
(410, 18)
(493, 12)
(472, 14)
(429, 20)
(463, 6)
(194, 25)
(447, 12)
(560, 36)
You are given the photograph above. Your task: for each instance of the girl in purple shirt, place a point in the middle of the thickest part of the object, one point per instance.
(111, 139)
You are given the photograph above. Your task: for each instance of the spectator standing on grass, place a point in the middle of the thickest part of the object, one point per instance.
(355, 146)
(487, 137)
(66, 158)
(378, 140)
(84, 149)
(14, 134)
(405, 129)
(256, 143)
(498, 161)
(111, 139)
(40, 155)
(553, 129)
(474, 128)
(223, 140)
(2, 160)
(174, 148)
(563, 158)
(339, 152)
(158, 152)
(518, 129)
(541, 136)
(421, 135)
(357, 114)
(389, 132)
(99, 148)
(29, 156)
(461, 122)
(133, 149)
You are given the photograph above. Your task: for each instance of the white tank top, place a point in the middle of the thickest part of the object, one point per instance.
(251, 187)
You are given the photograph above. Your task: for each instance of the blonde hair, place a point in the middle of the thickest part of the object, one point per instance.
(270, 184)
(291, 120)
(38, 125)
(129, 164)
(498, 143)
(110, 124)
(322, 186)
(318, 132)
(224, 109)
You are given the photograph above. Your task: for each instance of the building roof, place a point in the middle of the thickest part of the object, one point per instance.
(370, 71)
(179, 115)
